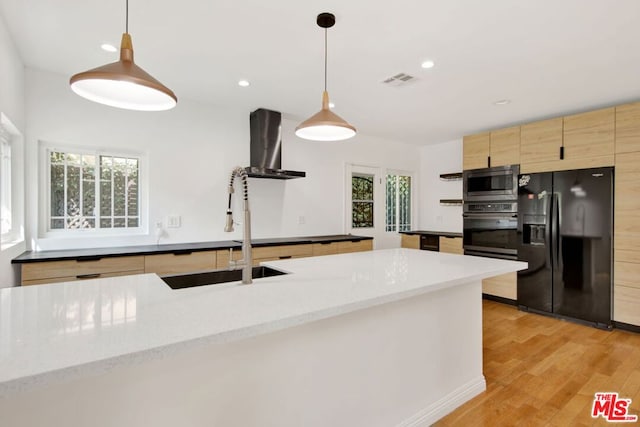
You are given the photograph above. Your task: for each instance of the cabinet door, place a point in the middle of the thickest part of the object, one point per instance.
(589, 139)
(80, 268)
(540, 144)
(628, 128)
(505, 147)
(411, 241)
(451, 245)
(358, 246)
(180, 262)
(475, 151)
(626, 208)
(626, 293)
(80, 277)
(505, 286)
(329, 248)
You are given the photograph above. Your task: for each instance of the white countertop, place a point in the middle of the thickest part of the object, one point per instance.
(61, 331)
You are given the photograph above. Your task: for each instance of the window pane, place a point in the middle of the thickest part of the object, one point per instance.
(404, 199)
(57, 190)
(57, 224)
(119, 186)
(132, 185)
(362, 187)
(391, 203)
(132, 222)
(73, 191)
(105, 223)
(362, 214)
(119, 223)
(88, 186)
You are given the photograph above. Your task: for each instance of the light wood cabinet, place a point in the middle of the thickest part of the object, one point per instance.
(475, 151)
(410, 241)
(272, 253)
(496, 148)
(328, 248)
(540, 144)
(451, 245)
(357, 246)
(628, 128)
(69, 270)
(505, 147)
(222, 257)
(504, 286)
(589, 139)
(174, 263)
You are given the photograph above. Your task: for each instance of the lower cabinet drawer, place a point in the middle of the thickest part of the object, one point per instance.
(358, 246)
(74, 268)
(325, 248)
(282, 252)
(505, 286)
(180, 262)
(451, 245)
(410, 241)
(626, 305)
(83, 277)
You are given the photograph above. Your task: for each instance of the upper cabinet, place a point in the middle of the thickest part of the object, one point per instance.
(589, 139)
(540, 144)
(579, 141)
(475, 151)
(497, 148)
(628, 128)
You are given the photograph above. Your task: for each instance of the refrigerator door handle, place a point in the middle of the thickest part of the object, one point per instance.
(556, 232)
(547, 231)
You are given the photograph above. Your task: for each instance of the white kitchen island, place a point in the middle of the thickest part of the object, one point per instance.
(381, 338)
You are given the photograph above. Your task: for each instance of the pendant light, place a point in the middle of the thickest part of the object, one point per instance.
(325, 125)
(123, 84)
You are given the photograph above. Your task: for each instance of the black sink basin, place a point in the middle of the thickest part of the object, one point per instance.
(179, 281)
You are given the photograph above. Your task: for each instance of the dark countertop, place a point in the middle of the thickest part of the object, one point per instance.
(433, 233)
(97, 253)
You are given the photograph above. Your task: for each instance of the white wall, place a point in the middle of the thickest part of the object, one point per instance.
(191, 151)
(435, 160)
(12, 105)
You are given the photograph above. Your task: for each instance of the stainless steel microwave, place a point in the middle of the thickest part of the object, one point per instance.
(491, 184)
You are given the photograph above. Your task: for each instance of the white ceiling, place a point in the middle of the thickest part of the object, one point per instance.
(549, 57)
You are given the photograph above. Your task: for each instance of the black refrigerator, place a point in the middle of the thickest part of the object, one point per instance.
(565, 234)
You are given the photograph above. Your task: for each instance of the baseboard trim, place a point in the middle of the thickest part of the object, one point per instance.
(446, 405)
(500, 299)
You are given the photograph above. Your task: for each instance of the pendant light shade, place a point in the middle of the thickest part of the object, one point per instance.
(123, 84)
(325, 125)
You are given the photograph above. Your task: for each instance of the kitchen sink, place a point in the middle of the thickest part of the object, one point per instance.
(180, 281)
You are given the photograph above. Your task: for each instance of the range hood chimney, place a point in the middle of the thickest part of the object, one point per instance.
(266, 146)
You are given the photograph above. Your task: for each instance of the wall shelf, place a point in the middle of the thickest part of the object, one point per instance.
(451, 176)
(451, 202)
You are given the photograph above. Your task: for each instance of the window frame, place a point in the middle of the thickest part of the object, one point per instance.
(412, 199)
(15, 234)
(45, 230)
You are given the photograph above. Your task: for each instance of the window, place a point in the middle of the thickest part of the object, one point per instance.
(6, 223)
(361, 200)
(398, 206)
(92, 190)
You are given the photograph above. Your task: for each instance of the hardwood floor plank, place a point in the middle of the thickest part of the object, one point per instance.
(542, 371)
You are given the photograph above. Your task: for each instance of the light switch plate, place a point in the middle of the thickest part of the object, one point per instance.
(174, 221)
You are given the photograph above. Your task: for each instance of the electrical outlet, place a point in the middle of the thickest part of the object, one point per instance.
(174, 221)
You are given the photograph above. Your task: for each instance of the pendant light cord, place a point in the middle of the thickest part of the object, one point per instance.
(127, 18)
(325, 59)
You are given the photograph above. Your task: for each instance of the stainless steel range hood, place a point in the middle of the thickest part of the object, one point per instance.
(266, 147)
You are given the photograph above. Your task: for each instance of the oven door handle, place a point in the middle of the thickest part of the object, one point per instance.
(491, 255)
(489, 216)
(484, 249)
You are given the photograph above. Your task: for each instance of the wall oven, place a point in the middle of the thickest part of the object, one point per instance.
(491, 229)
(491, 184)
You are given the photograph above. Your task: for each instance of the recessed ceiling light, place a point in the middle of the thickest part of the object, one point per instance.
(428, 64)
(502, 102)
(243, 83)
(108, 47)
(332, 105)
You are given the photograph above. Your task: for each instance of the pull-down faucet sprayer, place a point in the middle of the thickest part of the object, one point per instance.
(246, 263)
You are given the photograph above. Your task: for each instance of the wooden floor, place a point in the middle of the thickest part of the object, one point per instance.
(542, 371)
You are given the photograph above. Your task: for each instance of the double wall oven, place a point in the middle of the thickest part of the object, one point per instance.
(490, 214)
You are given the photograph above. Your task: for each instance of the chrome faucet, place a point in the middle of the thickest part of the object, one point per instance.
(246, 263)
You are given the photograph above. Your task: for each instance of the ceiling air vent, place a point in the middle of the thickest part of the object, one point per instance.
(400, 79)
